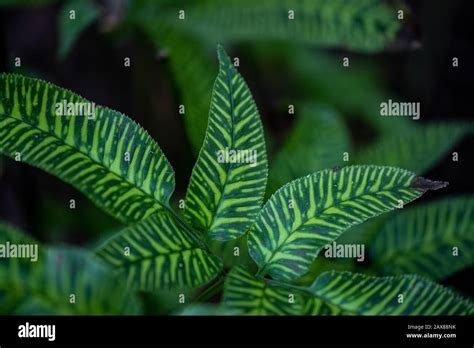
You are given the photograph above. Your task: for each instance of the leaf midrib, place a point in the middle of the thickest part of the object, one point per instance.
(230, 165)
(158, 203)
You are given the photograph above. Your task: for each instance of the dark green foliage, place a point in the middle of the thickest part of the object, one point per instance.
(265, 255)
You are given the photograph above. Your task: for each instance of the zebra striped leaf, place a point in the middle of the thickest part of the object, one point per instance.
(367, 25)
(364, 25)
(399, 295)
(308, 213)
(105, 155)
(315, 306)
(421, 240)
(248, 295)
(97, 291)
(228, 181)
(160, 252)
(14, 272)
(409, 149)
(45, 286)
(318, 141)
(405, 148)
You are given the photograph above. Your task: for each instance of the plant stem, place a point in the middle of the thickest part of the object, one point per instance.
(289, 286)
(211, 291)
(261, 272)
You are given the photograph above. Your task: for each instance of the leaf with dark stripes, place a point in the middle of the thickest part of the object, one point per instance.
(101, 152)
(315, 306)
(14, 271)
(97, 291)
(251, 296)
(367, 25)
(317, 141)
(416, 148)
(160, 252)
(308, 213)
(228, 181)
(399, 295)
(363, 25)
(407, 148)
(434, 240)
(45, 286)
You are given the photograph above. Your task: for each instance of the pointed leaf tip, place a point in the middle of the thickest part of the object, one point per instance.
(423, 184)
(226, 211)
(222, 54)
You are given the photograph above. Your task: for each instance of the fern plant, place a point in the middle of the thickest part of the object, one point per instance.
(115, 163)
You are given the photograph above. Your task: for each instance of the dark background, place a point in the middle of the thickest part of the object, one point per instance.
(38, 202)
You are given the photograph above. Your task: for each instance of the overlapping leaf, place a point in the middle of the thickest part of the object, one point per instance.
(85, 12)
(407, 148)
(434, 240)
(416, 148)
(233, 252)
(399, 295)
(190, 66)
(105, 154)
(14, 272)
(322, 264)
(368, 25)
(315, 306)
(308, 213)
(365, 25)
(228, 182)
(319, 76)
(343, 293)
(189, 63)
(318, 141)
(97, 291)
(160, 252)
(45, 286)
(251, 296)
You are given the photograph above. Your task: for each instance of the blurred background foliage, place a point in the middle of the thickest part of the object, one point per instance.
(286, 63)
